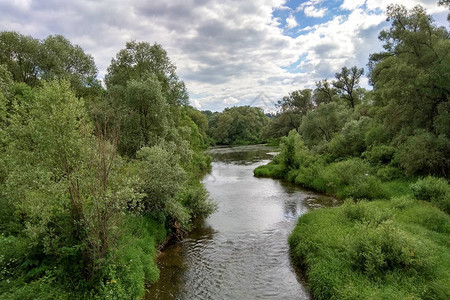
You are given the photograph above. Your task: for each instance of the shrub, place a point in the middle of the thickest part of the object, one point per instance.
(380, 249)
(389, 173)
(379, 155)
(434, 190)
(424, 153)
(270, 170)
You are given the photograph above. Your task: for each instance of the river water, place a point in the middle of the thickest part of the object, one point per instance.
(240, 251)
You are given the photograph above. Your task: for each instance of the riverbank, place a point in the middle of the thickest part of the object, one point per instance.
(389, 240)
(397, 249)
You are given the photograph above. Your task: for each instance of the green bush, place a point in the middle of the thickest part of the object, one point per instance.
(378, 250)
(389, 173)
(379, 155)
(424, 154)
(434, 190)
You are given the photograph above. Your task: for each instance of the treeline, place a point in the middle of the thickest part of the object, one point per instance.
(392, 144)
(239, 125)
(92, 179)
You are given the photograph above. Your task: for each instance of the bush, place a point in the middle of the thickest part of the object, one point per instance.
(424, 154)
(378, 250)
(379, 155)
(434, 190)
(389, 173)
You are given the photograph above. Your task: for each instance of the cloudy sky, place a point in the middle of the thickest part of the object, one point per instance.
(228, 52)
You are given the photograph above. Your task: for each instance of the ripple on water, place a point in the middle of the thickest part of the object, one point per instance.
(241, 251)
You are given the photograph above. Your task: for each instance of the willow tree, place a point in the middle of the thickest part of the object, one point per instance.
(411, 79)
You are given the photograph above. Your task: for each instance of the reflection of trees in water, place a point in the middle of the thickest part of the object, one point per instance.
(242, 158)
(172, 262)
(242, 155)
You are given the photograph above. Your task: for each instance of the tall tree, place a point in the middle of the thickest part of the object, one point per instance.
(412, 76)
(324, 92)
(139, 59)
(347, 82)
(60, 59)
(21, 55)
(31, 60)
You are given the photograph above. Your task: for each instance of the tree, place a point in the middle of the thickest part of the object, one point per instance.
(139, 59)
(411, 77)
(239, 125)
(320, 125)
(31, 61)
(347, 82)
(21, 55)
(60, 59)
(299, 101)
(324, 92)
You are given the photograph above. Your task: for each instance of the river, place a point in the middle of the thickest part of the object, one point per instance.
(240, 251)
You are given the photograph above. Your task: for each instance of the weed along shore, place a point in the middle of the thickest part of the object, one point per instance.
(241, 250)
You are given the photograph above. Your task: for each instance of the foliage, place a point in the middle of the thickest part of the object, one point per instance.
(238, 125)
(78, 220)
(140, 59)
(346, 84)
(424, 153)
(324, 92)
(31, 61)
(435, 190)
(320, 125)
(411, 77)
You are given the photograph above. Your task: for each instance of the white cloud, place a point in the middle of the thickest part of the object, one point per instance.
(313, 12)
(230, 100)
(291, 22)
(352, 4)
(310, 9)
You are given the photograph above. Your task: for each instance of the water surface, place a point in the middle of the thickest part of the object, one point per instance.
(240, 251)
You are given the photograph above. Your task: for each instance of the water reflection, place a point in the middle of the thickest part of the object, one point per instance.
(242, 155)
(241, 251)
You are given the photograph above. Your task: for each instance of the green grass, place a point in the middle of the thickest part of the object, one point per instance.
(384, 249)
(270, 170)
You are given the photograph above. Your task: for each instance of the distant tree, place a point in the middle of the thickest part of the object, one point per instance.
(347, 82)
(292, 108)
(199, 119)
(324, 92)
(239, 125)
(320, 125)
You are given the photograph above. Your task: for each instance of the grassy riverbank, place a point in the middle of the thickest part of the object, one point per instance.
(397, 249)
(389, 239)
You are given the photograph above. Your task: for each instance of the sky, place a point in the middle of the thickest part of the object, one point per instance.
(228, 52)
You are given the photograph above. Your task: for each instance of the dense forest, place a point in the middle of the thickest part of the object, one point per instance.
(92, 179)
(387, 152)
